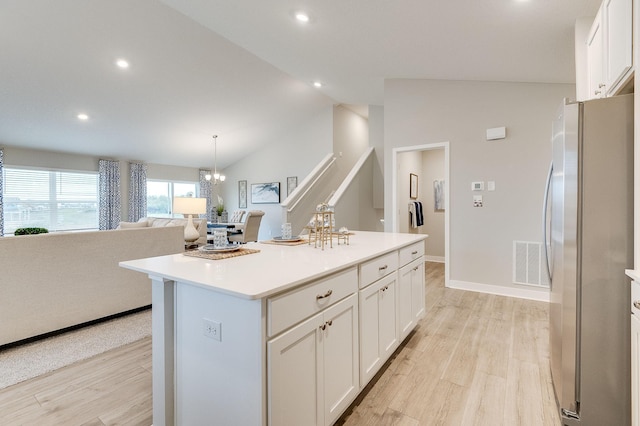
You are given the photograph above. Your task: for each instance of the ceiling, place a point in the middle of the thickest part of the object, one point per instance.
(244, 69)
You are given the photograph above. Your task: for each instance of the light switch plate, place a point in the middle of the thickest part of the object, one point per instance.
(477, 186)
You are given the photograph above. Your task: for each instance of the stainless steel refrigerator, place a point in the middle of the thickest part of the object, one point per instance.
(589, 214)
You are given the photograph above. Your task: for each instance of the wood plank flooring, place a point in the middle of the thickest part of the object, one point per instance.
(475, 359)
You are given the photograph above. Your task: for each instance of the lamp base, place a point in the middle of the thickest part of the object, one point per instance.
(191, 234)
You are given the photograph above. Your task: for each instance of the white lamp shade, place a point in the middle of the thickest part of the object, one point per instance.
(189, 206)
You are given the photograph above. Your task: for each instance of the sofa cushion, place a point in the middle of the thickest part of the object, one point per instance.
(127, 225)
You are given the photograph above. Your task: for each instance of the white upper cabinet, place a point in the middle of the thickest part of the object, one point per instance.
(609, 49)
(595, 59)
(619, 42)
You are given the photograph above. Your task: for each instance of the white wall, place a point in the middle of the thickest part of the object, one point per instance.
(294, 153)
(418, 112)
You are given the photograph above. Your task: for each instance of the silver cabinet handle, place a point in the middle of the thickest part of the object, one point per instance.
(414, 252)
(322, 296)
(637, 304)
(597, 92)
(601, 85)
(382, 268)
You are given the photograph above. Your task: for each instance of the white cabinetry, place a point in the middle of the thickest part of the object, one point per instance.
(619, 42)
(635, 353)
(595, 58)
(411, 303)
(378, 325)
(610, 49)
(635, 372)
(313, 369)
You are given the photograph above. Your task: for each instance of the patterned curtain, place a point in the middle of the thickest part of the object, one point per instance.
(205, 192)
(109, 196)
(1, 192)
(137, 191)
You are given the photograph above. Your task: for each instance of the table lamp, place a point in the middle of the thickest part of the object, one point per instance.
(188, 207)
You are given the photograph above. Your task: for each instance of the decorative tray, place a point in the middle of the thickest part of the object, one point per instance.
(287, 240)
(210, 248)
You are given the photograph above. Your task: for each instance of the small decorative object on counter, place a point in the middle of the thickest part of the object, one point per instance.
(343, 235)
(286, 231)
(220, 238)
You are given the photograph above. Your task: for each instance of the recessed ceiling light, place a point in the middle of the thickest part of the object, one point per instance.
(83, 117)
(302, 17)
(317, 84)
(122, 63)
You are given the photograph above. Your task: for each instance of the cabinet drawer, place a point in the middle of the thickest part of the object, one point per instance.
(411, 253)
(292, 307)
(635, 297)
(377, 268)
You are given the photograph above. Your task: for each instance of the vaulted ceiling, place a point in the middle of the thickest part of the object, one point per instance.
(244, 69)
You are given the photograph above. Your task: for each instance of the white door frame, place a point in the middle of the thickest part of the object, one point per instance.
(395, 225)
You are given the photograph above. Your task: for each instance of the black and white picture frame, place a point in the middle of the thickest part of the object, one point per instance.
(242, 194)
(413, 186)
(265, 193)
(292, 183)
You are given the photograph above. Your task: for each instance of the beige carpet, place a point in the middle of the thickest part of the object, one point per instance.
(33, 359)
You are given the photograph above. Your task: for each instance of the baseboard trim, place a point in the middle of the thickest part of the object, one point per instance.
(437, 259)
(521, 293)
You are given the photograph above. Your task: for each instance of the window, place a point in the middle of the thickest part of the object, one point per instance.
(160, 195)
(56, 200)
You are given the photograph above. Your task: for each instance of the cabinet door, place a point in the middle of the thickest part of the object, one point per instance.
(378, 326)
(635, 372)
(294, 375)
(417, 290)
(340, 346)
(619, 40)
(595, 59)
(406, 321)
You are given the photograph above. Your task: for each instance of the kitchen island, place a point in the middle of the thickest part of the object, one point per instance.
(289, 335)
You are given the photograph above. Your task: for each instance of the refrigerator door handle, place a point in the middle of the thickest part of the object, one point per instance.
(545, 228)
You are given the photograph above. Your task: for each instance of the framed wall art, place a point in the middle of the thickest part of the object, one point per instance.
(413, 186)
(242, 194)
(438, 195)
(265, 193)
(292, 183)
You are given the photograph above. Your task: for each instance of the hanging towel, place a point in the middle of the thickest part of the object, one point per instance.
(415, 214)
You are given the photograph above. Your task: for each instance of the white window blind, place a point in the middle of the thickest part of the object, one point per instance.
(56, 200)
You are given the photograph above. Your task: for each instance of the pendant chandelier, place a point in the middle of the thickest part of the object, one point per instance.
(216, 176)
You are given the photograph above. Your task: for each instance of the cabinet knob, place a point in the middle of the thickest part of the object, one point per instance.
(382, 268)
(414, 252)
(636, 304)
(601, 85)
(322, 296)
(597, 92)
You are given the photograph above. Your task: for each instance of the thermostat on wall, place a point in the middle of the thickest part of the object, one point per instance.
(477, 186)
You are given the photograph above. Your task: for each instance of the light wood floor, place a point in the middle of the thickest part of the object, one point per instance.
(475, 359)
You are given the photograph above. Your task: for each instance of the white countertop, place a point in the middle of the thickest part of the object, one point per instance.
(276, 268)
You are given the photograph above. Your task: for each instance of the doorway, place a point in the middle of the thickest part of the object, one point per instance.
(410, 167)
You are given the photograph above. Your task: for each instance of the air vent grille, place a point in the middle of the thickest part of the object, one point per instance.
(528, 264)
